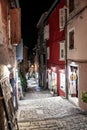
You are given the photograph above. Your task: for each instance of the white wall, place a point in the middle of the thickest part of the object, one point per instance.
(79, 24)
(82, 84)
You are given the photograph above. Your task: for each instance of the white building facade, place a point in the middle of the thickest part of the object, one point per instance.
(77, 50)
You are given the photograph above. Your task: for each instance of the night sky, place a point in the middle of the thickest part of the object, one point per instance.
(30, 15)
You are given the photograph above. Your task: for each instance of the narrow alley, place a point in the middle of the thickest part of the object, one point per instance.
(43, 65)
(39, 110)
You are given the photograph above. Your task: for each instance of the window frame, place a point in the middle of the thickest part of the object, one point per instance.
(71, 43)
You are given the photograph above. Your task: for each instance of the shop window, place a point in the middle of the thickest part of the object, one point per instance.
(71, 39)
(62, 80)
(71, 5)
(62, 50)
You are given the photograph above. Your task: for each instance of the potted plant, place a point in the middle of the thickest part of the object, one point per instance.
(23, 82)
(84, 97)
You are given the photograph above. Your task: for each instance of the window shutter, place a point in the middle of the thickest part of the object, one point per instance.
(15, 16)
(3, 22)
(48, 53)
(61, 18)
(46, 32)
(1, 28)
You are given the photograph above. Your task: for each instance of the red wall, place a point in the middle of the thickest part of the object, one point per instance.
(55, 36)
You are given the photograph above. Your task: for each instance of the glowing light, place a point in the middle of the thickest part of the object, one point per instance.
(9, 66)
(6, 71)
(32, 66)
(49, 71)
(73, 64)
(53, 68)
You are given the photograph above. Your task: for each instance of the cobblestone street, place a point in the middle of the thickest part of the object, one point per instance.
(41, 111)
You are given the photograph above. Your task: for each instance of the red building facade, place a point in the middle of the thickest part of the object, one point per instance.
(56, 49)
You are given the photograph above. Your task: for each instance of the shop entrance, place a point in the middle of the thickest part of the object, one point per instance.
(52, 80)
(73, 81)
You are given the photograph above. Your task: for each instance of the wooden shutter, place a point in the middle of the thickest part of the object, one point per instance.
(15, 16)
(46, 32)
(1, 28)
(48, 53)
(62, 18)
(3, 22)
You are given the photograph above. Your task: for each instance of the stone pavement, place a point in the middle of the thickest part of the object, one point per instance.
(45, 112)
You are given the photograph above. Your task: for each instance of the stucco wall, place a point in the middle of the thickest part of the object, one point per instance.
(82, 83)
(79, 24)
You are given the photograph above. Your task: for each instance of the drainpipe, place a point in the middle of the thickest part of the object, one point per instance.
(66, 69)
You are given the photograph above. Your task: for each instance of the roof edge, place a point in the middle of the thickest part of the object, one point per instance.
(52, 8)
(43, 16)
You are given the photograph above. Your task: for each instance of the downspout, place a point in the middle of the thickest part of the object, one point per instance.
(66, 64)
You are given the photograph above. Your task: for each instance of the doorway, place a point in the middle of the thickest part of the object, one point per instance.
(73, 83)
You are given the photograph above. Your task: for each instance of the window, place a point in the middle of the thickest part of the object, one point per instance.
(71, 5)
(62, 50)
(44, 59)
(48, 53)
(62, 18)
(71, 39)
